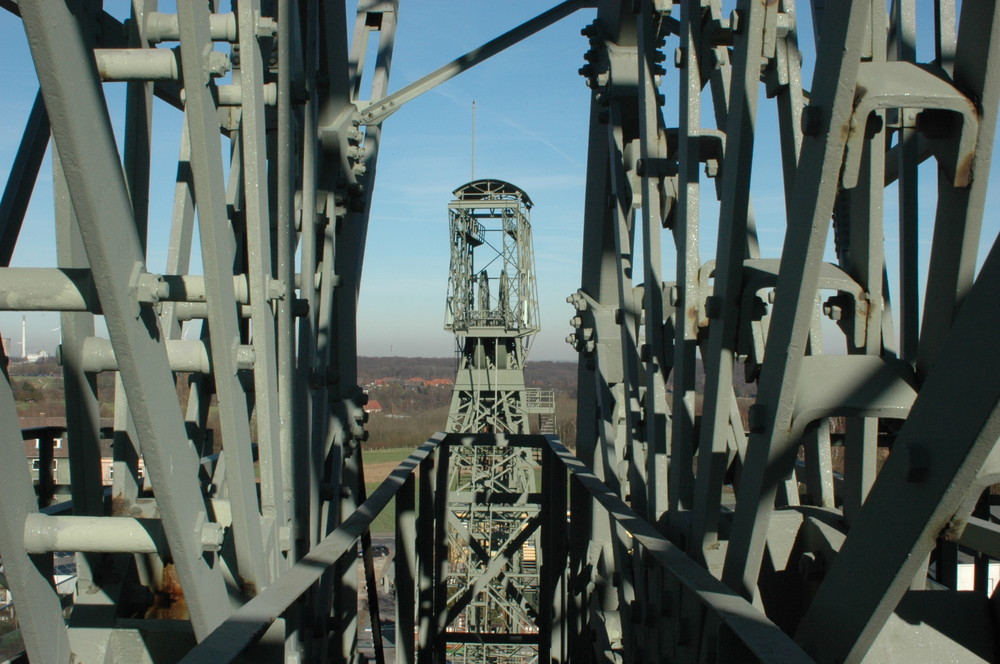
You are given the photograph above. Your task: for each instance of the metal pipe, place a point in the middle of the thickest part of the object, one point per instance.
(72, 289)
(232, 94)
(150, 64)
(103, 534)
(162, 27)
(98, 534)
(183, 355)
(199, 310)
(47, 289)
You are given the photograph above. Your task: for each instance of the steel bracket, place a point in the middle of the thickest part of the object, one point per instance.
(885, 85)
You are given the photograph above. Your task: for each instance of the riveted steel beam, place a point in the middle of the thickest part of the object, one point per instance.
(768, 453)
(923, 490)
(379, 110)
(103, 211)
(21, 180)
(44, 632)
(218, 256)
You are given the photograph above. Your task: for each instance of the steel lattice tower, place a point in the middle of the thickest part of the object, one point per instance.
(492, 305)
(492, 308)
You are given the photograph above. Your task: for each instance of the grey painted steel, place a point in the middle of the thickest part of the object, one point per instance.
(406, 570)
(377, 112)
(651, 456)
(21, 181)
(105, 219)
(285, 245)
(44, 534)
(929, 486)
(684, 291)
(426, 579)
(821, 158)
(82, 421)
(772, 484)
(764, 640)
(261, 279)
(218, 256)
(487, 578)
(553, 592)
(183, 355)
(249, 622)
(904, 18)
(369, 565)
(72, 289)
(43, 630)
(719, 358)
(959, 212)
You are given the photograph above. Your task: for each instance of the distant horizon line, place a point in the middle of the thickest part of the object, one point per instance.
(451, 358)
(371, 357)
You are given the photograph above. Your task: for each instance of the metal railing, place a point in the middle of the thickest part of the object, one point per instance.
(245, 627)
(725, 616)
(694, 604)
(537, 400)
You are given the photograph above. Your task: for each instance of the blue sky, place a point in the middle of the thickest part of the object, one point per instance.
(531, 129)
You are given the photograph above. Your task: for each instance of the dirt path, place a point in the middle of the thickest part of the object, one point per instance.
(377, 472)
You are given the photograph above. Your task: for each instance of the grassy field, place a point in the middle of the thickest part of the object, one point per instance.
(384, 523)
(378, 463)
(385, 456)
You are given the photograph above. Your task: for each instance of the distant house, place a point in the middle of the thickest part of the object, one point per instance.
(415, 382)
(440, 382)
(373, 406)
(60, 461)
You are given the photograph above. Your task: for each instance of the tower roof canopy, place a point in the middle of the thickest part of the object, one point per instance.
(491, 190)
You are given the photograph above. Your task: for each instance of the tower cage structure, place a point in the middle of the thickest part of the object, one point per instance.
(492, 305)
(492, 308)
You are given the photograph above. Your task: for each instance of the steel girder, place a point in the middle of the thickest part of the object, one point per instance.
(275, 362)
(776, 538)
(697, 527)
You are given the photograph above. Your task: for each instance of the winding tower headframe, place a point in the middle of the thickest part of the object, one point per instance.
(492, 305)
(492, 308)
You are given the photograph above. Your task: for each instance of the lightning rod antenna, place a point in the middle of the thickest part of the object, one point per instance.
(473, 140)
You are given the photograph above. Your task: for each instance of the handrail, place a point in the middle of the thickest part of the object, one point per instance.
(248, 624)
(538, 398)
(761, 636)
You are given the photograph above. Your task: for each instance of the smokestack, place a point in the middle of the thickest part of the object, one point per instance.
(24, 338)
